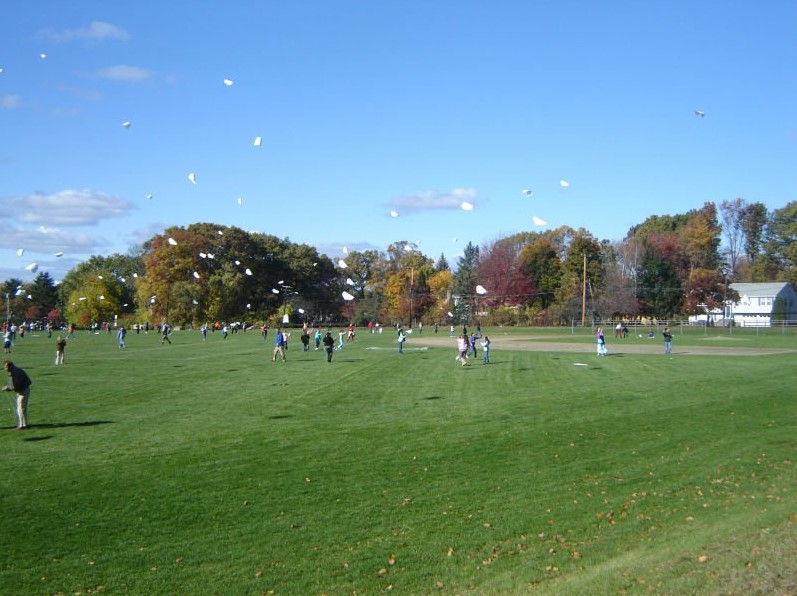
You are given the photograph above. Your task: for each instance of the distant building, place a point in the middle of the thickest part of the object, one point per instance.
(762, 303)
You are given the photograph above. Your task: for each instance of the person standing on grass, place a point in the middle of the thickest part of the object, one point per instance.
(340, 340)
(473, 344)
(20, 383)
(166, 329)
(462, 349)
(486, 349)
(667, 340)
(305, 339)
(60, 346)
(317, 337)
(120, 336)
(402, 337)
(600, 340)
(279, 346)
(329, 345)
(7, 341)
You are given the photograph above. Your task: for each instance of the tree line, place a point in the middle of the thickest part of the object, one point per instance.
(668, 265)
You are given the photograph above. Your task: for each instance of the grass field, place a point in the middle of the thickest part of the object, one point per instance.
(204, 468)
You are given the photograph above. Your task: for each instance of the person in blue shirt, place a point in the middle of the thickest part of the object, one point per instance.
(279, 346)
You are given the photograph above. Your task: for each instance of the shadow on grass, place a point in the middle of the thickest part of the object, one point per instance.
(280, 416)
(40, 438)
(432, 397)
(67, 424)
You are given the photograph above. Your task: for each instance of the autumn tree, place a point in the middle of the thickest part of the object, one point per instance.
(540, 261)
(501, 272)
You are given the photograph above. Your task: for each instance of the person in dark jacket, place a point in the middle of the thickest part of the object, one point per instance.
(20, 383)
(329, 345)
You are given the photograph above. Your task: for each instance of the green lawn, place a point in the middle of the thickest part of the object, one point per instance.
(204, 468)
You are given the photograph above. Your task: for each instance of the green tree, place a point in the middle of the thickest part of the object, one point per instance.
(781, 243)
(465, 282)
(44, 294)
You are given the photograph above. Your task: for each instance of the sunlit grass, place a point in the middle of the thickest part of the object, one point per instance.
(206, 468)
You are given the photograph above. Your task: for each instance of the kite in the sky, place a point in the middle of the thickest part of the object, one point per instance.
(700, 113)
(538, 221)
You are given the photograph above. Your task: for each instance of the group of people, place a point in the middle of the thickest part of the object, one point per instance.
(467, 346)
(281, 342)
(600, 338)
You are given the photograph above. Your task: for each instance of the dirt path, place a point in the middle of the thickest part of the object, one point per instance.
(630, 345)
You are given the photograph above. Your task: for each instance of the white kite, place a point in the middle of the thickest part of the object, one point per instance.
(480, 290)
(466, 206)
(347, 296)
(33, 267)
(59, 254)
(229, 82)
(700, 113)
(196, 275)
(172, 241)
(192, 178)
(528, 193)
(394, 213)
(248, 271)
(349, 281)
(258, 141)
(342, 264)
(538, 221)
(126, 124)
(149, 196)
(20, 252)
(564, 183)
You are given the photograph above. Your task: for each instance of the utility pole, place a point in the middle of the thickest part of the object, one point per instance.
(584, 293)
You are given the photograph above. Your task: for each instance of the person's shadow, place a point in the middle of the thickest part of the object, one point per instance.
(68, 424)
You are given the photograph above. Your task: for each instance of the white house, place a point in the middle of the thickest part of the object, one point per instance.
(761, 303)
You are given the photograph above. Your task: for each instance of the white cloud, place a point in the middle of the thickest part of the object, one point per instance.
(124, 73)
(81, 92)
(66, 208)
(96, 31)
(434, 200)
(48, 241)
(10, 102)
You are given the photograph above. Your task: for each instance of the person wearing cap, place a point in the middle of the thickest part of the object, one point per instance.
(19, 382)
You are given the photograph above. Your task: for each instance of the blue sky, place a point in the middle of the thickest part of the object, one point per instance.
(370, 107)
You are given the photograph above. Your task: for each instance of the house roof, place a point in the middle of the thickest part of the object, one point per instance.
(759, 289)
